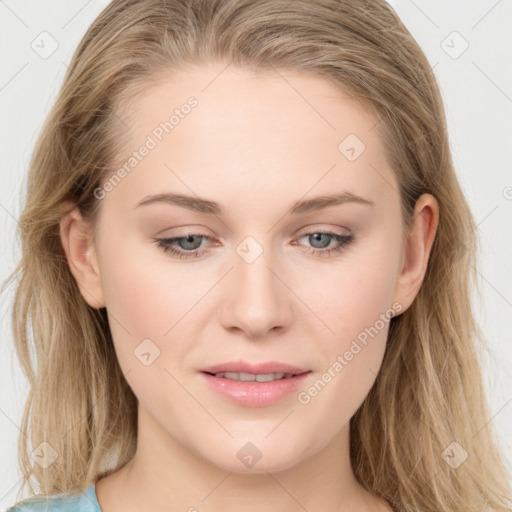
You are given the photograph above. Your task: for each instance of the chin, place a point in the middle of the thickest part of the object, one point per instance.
(257, 456)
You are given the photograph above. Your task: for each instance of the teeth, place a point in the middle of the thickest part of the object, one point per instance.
(248, 377)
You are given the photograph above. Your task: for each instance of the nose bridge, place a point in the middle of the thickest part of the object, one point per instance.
(258, 301)
(257, 284)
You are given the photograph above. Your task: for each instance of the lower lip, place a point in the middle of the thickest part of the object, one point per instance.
(255, 394)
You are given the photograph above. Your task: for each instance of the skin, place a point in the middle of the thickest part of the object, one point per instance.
(256, 145)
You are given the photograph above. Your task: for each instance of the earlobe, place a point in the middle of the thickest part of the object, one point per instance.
(417, 250)
(81, 255)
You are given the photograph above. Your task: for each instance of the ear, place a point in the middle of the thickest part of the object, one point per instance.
(417, 249)
(81, 254)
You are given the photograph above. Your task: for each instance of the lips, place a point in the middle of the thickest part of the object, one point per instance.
(254, 385)
(251, 393)
(258, 368)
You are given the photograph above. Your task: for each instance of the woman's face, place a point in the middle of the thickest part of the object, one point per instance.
(251, 164)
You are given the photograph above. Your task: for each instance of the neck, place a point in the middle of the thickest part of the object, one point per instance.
(165, 475)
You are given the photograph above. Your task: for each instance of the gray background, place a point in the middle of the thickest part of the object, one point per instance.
(476, 84)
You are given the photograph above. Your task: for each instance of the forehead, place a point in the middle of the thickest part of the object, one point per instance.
(264, 106)
(294, 131)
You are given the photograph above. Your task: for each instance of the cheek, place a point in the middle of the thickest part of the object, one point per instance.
(357, 306)
(145, 292)
(134, 301)
(352, 358)
(152, 304)
(356, 293)
(143, 307)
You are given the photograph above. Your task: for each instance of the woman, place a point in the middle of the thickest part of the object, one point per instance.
(246, 266)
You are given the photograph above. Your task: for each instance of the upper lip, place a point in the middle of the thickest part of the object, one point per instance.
(257, 368)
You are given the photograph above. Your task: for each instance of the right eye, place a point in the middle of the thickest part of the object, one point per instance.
(188, 247)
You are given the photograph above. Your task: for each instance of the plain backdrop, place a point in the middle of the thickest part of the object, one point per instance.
(469, 45)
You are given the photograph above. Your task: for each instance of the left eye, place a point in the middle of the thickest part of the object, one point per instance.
(324, 238)
(189, 244)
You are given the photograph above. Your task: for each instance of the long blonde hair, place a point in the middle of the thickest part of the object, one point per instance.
(429, 392)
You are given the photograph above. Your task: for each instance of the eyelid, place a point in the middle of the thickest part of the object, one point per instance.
(191, 231)
(333, 229)
(343, 241)
(183, 231)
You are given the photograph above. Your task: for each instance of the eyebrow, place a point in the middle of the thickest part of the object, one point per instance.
(208, 207)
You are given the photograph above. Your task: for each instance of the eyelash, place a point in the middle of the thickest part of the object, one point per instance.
(167, 245)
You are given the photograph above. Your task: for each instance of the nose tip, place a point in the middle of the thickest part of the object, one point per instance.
(257, 302)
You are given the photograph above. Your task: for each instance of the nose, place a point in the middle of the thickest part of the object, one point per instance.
(257, 298)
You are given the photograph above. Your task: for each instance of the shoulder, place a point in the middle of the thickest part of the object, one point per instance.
(65, 502)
